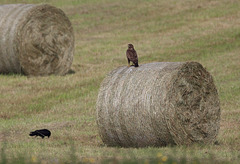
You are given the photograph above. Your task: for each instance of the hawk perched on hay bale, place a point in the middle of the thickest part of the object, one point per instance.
(132, 55)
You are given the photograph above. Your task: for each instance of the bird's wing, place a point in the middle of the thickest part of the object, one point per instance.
(132, 56)
(39, 132)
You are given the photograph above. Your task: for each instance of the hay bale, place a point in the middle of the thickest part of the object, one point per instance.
(158, 104)
(35, 40)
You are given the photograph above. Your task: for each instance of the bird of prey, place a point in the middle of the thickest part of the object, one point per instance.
(132, 55)
(42, 133)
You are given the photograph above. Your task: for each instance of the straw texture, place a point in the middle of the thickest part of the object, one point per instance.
(35, 40)
(158, 104)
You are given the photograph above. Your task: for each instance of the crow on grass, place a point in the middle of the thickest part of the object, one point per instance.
(42, 133)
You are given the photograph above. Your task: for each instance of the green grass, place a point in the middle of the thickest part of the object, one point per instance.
(204, 31)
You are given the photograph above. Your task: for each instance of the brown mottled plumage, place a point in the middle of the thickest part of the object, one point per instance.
(132, 55)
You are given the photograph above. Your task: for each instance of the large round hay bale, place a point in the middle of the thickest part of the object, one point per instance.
(35, 40)
(158, 104)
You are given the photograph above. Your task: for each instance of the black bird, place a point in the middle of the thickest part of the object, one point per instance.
(132, 55)
(42, 133)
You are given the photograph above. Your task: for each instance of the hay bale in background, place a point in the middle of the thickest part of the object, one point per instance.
(35, 40)
(158, 104)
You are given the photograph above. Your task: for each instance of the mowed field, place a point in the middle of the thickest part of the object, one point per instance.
(206, 31)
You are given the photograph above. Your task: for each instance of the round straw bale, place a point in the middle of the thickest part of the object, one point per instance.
(158, 104)
(35, 40)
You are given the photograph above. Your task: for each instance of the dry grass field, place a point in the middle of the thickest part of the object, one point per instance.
(206, 31)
